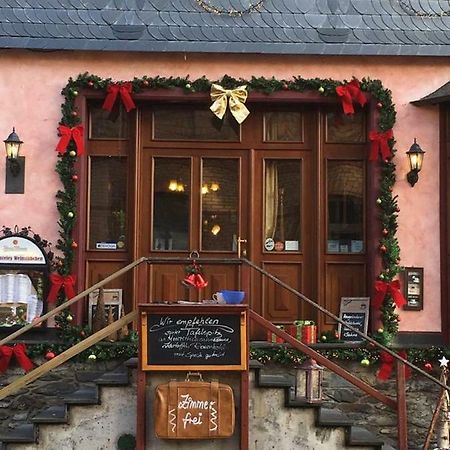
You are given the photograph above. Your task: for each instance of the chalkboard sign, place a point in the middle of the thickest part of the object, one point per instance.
(355, 312)
(180, 337)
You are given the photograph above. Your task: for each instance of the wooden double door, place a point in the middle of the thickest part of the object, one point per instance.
(257, 193)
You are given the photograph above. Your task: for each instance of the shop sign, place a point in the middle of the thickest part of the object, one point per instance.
(17, 250)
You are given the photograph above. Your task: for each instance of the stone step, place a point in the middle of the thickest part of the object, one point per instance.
(333, 418)
(276, 380)
(86, 395)
(358, 437)
(24, 433)
(115, 378)
(52, 414)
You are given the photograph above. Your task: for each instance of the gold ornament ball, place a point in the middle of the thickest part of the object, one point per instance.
(321, 89)
(380, 330)
(188, 86)
(378, 201)
(365, 362)
(69, 318)
(75, 93)
(70, 214)
(92, 357)
(73, 153)
(323, 338)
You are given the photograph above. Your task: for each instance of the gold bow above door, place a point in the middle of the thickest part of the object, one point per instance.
(235, 98)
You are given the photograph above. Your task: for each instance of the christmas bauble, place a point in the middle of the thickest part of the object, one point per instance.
(188, 86)
(379, 105)
(70, 214)
(378, 201)
(74, 178)
(90, 83)
(145, 82)
(365, 362)
(69, 318)
(385, 232)
(49, 355)
(321, 89)
(323, 338)
(74, 244)
(383, 249)
(428, 366)
(92, 357)
(74, 114)
(380, 330)
(72, 153)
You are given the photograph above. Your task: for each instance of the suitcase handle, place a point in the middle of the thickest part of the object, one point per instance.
(193, 374)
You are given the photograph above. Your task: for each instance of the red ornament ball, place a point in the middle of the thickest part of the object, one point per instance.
(74, 178)
(285, 86)
(428, 367)
(383, 249)
(74, 114)
(74, 244)
(90, 83)
(145, 82)
(385, 232)
(49, 355)
(397, 209)
(379, 105)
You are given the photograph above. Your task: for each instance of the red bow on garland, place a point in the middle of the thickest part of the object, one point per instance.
(387, 365)
(66, 133)
(19, 351)
(383, 288)
(113, 90)
(59, 281)
(351, 92)
(380, 143)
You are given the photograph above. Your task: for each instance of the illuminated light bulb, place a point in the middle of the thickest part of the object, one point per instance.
(214, 186)
(173, 185)
(180, 187)
(205, 189)
(215, 230)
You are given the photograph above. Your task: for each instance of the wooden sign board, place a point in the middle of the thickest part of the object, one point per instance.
(354, 311)
(198, 337)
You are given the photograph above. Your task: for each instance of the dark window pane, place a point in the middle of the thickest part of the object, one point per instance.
(345, 129)
(174, 123)
(282, 208)
(282, 126)
(108, 202)
(220, 202)
(108, 125)
(172, 192)
(345, 181)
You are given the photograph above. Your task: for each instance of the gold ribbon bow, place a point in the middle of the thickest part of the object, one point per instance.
(237, 98)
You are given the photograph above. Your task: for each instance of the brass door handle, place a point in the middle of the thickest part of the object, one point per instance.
(241, 251)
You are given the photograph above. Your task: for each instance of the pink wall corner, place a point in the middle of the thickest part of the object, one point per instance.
(31, 83)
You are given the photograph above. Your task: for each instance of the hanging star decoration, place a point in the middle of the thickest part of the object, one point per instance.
(444, 361)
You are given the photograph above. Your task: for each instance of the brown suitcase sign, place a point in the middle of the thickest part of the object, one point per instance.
(194, 410)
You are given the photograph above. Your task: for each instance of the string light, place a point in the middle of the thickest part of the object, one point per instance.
(229, 12)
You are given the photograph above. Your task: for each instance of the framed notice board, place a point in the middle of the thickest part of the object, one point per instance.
(197, 337)
(354, 311)
(413, 288)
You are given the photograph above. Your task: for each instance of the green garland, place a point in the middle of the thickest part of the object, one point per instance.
(386, 202)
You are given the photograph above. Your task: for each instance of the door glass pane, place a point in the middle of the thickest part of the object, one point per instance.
(108, 202)
(283, 126)
(282, 208)
(172, 193)
(108, 125)
(220, 203)
(345, 181)
(194, 123)
(345, 129)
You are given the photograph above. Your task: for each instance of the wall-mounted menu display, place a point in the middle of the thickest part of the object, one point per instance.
(23, 280)
(179, 337)
(413, 288)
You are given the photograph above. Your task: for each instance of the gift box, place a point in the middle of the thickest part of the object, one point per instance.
(306, 331)
(272, 337)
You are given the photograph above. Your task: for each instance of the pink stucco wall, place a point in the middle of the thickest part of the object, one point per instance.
(30, 86)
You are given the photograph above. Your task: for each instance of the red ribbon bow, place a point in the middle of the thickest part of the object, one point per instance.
(66, 133)
(59, 281)
(19, 351)
(380, 143)
(383, 288)
(113, 90)
(351, 92)
(387, 365)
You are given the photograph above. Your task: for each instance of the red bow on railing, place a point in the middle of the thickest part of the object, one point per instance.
(66, 133)
(380, 143)
(59, 281)
(383, 288)
(125, 90)
(351, 92)
(19, 351)
(387, 365)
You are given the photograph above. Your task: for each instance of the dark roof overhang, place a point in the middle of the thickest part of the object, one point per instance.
(440, 95)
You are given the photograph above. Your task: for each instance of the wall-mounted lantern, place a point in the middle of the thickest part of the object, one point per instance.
(308, 384)
(415, 156)
(15, 165)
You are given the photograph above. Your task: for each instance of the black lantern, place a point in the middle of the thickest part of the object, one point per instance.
(15, 165)
(308, 383)
(415, 156)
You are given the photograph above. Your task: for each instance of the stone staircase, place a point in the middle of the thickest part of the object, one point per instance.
(277, 419)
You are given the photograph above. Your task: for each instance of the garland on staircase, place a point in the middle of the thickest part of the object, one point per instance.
(70, 147)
